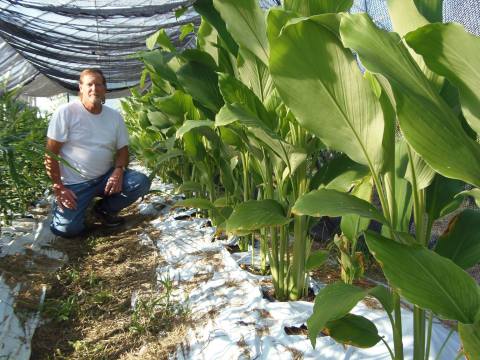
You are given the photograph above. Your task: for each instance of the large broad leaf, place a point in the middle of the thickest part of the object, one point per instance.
(451, 51)
(461, 242)
(157, 62)
(427, 279)
(201, 82)
(427, 122)
(405, 18)
(169, 155)
(315, 7)
(441, 197)
(254, 74)
(161, 38)
(178, 106)
(316, 259)
(236, 92)
(326, 202)
(189, 125)
(353, 330)
(470, 335)
(430, 9)
(352, 225)
(253, 215)
(332, 303)
(340, 174)
(208, 12)
(321, 83)
(159, 119)
(246, 23)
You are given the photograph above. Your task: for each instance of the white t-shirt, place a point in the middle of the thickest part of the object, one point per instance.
(90, 140)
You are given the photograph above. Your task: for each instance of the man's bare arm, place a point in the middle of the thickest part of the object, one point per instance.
(65, 197)
(115, 182)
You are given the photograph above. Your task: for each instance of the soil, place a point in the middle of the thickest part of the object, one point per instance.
(88, 308)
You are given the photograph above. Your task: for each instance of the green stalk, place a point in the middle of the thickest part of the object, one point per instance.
(429, 335)
(397, 330)
(418, 333)
(281, 264)
(298, 263)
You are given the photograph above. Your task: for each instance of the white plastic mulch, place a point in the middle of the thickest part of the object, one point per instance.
(233, 319)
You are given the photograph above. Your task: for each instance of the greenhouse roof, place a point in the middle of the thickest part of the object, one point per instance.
(44, 45)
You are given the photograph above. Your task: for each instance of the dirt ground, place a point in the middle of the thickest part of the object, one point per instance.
(89, 310)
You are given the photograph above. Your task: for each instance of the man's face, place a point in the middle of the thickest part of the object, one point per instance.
(92, 89)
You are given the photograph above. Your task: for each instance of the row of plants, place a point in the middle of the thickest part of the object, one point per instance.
(240, 122)
(22, 142)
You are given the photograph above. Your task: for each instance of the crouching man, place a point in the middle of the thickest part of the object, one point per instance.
(93, 140)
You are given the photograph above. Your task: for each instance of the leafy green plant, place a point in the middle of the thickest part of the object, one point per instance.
(22, 141)
(398, 86)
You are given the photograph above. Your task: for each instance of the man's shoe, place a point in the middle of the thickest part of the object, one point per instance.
(108, 220)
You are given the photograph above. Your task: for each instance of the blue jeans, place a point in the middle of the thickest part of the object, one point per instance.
(70, 223)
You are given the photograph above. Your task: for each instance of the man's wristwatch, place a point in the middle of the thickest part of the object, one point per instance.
(121, 167)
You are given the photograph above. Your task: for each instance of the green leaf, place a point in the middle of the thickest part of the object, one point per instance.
(169, 155)
(186, 30)
(470, 335)
(159, 119)
(319, 80)
(315, 7)
(201, 82)
(157, 62)
(180, 12)
(189, 125)
(190, 186)
(405, 18)
(199, 204)
(441, 197)
(427, 279)
(208, 12)
(332, 303)
(427, 122)
(254, 74)
(454, 53)
(235, 92)
(253, 215)
(340, 174)
(326, 202)
(461, 242)
(161, 38)
(178, 106)
(430, 9)
(246, 23)
(383, 295)
(316, 259)
(352, 225)
(422, 174)
(354, 330)
(474, 193)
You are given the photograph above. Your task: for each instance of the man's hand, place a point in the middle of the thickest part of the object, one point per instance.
(114, 182)
(65, 198)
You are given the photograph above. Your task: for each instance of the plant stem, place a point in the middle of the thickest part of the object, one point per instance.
(397, 330)
(444, 344)
(388, 348)
(418, 333)
(429, 335)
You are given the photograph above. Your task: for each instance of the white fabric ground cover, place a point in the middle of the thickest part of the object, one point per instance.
(235, 321)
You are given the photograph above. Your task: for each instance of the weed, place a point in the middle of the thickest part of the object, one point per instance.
(156, 313)
(60, 309)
